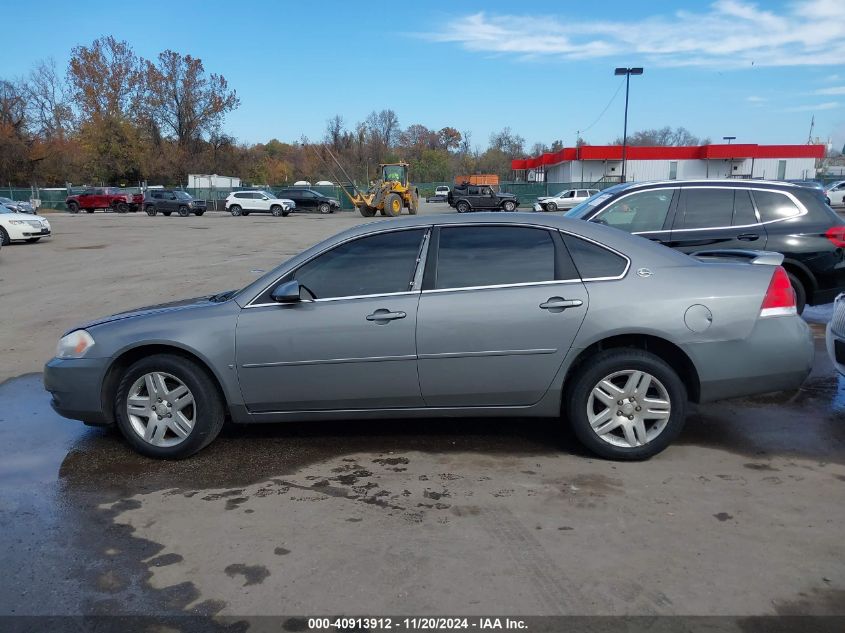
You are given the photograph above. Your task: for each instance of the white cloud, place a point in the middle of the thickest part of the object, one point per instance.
(835, 90)
(755, 99)
(729, 33)
(827, 105)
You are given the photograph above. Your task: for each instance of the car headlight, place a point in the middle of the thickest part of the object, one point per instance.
(74, 345)
(17, 222)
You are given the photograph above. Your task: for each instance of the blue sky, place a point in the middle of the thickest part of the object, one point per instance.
(755, 71)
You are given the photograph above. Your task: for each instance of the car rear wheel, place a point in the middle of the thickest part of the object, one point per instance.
(73, 207)
(168, 407)
(462, 207)
(277, 210)
(800, 292)
(4, 237)
(151, 210)
(626, 404)
(551, 206)
(325, 208)
(235, 210)
(184, 211)
(508, 205)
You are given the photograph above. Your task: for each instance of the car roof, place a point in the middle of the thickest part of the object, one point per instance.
(706, 182)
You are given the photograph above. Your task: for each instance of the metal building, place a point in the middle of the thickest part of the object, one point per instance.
(603, 163)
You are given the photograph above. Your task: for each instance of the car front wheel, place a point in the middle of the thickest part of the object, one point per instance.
(151, 210)
(184, 211)
(626, 404)
(73, 207)
(277, 211)
(4, 237)
(325, 208)
(509, 205)
(168, 407)
(551, 206)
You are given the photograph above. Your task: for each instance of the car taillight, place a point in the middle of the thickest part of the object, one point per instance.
(836, 234)
(780, 297)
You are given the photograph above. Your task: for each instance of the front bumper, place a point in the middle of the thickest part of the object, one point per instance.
(777, 356)
(26, 231)
(538, 207)
(75, 385)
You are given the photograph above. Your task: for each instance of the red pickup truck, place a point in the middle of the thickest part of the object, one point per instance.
(104, 198)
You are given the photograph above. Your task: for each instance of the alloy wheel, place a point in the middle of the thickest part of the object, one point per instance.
(629, 408)
(161, 409)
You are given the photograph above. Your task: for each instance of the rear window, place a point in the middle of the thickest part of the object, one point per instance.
(774, 205)
(594, 261)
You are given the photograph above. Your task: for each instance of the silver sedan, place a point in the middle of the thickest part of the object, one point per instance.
(447, 316)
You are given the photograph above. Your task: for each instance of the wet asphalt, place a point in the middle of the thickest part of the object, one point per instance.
(742, 516)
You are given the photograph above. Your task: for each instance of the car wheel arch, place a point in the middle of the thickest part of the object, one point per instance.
(807, 278)
(664, 349)
(127, 356)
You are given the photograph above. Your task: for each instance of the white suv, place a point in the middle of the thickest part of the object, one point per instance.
(835, 192)
(246, 202)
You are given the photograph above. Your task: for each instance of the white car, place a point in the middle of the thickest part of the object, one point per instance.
(564, 200)
(246, 202)
(835, 335)
(16, 227)
(836, 193)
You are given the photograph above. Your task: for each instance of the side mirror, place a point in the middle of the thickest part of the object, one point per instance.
(287, 292)
(264, 198)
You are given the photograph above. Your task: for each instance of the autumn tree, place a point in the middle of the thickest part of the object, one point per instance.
(14, 146)
(183, 101)
(106, 79)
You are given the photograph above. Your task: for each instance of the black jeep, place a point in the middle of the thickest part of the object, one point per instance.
(468, 197)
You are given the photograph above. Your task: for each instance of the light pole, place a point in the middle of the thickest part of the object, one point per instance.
(729, 139)
(627, 72)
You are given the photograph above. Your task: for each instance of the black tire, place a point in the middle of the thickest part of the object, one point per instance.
(210, 410)
(800, 293)
(89, 210)
(33, 240)
(415, 203)
(366, 211)
(551, 207)
(4, 237)
(198, 213)
(73, 207)
(508, 205)
(122, 207)
(591, 372)
(325, 208)
(184, 211)
(392, 205)
(235, 210)
(462, 206)
(151, 210)
(277, 211)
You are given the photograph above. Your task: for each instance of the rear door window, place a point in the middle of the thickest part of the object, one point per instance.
(639, 212)
(706, 208)
(493, 256)
(594, 261)
(773, 205)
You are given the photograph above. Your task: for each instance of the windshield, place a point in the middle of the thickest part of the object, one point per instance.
(580, 210)
(182, 195)
(6, 209)
(6, 201)
(394, 172)
(270, 195)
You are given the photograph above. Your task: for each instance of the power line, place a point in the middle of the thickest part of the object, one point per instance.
(609, 103)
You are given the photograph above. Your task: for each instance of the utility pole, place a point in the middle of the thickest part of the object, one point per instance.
(627, 72)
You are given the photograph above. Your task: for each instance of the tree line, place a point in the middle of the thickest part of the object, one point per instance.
(113, 117)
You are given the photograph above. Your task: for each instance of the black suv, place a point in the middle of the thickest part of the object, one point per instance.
(693, 216)
(309, 199)
(468, 197)
(166, 201)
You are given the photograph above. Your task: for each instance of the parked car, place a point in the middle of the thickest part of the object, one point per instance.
(309, 199)
(166, 201)
(104, 198)
(836, 194)
(835, 335)
(441, 194)
(16, 226)
(465, 198)
(564, 200)
(494, 315)
(693, 216)
(246, 202)
(18, 206)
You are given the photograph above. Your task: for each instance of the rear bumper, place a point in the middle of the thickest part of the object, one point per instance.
(75, 385)
(776, 356)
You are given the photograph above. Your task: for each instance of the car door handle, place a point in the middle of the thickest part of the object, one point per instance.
(382, 316)
(559, 304)
(748, 237)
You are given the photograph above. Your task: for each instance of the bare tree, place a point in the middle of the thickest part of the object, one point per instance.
(335, 132)
(48, 101)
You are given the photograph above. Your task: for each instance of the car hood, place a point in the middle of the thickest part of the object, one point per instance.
(23, 216)
(160, 308)
(506, 195)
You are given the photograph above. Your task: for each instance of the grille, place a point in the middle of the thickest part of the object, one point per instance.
(36, 224)
(837, 323)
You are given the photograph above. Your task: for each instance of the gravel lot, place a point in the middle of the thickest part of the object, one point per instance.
(743, 516)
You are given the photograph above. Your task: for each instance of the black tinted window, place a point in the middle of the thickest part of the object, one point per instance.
(639, 212)
(707, 208)
(367, 266)
(774, 206)
(743, 208)
(494, 255)
(594, 261)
